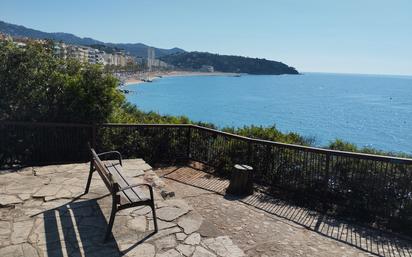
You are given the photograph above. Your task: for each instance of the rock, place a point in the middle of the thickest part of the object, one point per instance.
(161, 224)
(47, 190)
(181, 236)
(160, 204)
(202, 252)
(64, 193)
(170, 253)
(223, 246)
(190, 223)
(193, 239)
(9, 200)
(21, 231)
(11, 251)
(165, 243)
(164, 232)
(142, 250)
(21, 250)
(167, 194)
(24, 197)
(138, 223)
(170, 213)
(185, 250)
(5, 228)
(141, 211)
(28, 250)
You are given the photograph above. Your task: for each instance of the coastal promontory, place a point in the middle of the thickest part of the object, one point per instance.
(228, 63)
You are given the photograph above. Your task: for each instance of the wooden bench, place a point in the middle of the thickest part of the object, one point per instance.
(124, 193)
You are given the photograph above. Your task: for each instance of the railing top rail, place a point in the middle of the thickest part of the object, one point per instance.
(144, 125)
(383, 158)
(292, 146)
(314, 149)
(44, 124)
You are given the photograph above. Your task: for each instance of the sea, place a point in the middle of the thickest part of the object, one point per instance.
(367, 110)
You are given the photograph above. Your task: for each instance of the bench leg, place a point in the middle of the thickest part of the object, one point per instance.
(154, 217)
(111, 220)
(89, 179)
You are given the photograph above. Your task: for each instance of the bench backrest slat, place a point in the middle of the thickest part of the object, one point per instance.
(103, 172)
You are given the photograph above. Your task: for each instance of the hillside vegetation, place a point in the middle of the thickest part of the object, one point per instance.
(135, 49)
(228, 63)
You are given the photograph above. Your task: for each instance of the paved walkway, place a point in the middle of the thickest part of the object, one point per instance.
(264, 226)
(43, 213)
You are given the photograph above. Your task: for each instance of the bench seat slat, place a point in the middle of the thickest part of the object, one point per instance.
(132, 194)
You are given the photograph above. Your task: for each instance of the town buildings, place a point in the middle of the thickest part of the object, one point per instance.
(87, 54)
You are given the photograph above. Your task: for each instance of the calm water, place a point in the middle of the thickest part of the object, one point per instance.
(368, 110)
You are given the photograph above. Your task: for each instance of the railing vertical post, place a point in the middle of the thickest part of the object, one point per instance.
(326, 182)
(268, 160)
(94, 132)
(189, 139)
(249, 152)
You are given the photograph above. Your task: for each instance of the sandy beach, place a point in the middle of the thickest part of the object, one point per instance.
(137, 79)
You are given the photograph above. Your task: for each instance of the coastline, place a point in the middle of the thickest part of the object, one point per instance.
(143, 77)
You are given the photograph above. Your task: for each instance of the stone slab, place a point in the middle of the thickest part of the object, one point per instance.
(190, 222)
(9, 200)
(202, 252)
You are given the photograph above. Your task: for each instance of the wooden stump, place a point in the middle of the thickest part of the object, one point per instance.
(241, 181)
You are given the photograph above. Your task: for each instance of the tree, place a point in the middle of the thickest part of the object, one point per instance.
(37, 86)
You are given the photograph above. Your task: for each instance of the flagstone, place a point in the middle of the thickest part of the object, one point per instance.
(9, 199)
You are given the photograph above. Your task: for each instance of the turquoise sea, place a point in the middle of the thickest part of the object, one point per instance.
(368, 110)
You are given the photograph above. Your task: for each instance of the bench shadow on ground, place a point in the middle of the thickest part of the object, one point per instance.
(78, 229)
(370, 240)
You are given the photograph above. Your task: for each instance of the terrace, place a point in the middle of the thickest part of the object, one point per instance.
(307, 201)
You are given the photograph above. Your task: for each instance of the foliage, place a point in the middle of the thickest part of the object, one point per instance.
(36, 86)
(342, 145)
(270, 133)
(228, 63)
(129, 113)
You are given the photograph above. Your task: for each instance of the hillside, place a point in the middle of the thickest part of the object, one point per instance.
(228, 63)
(136, 49)
(175, 56)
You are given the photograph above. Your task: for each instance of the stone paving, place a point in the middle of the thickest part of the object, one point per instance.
(43, 212)
(263, 226)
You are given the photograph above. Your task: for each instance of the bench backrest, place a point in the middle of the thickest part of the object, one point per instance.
(103, 172)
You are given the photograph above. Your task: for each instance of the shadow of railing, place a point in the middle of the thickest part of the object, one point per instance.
(77, 229)
(370, 240)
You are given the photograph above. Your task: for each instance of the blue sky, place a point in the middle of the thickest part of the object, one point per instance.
(350, 36)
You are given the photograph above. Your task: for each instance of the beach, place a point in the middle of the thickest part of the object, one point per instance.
(138, 78)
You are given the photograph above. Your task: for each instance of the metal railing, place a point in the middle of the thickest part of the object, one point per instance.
(371, 188)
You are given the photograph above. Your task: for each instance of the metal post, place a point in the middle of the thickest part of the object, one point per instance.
(249, 152)
(94, 132)
(189, 139)
(326, 182)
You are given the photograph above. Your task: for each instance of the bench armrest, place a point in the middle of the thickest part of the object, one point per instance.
(118, 154)
(138, 185)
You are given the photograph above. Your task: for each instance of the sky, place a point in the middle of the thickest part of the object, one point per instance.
(349, 36)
